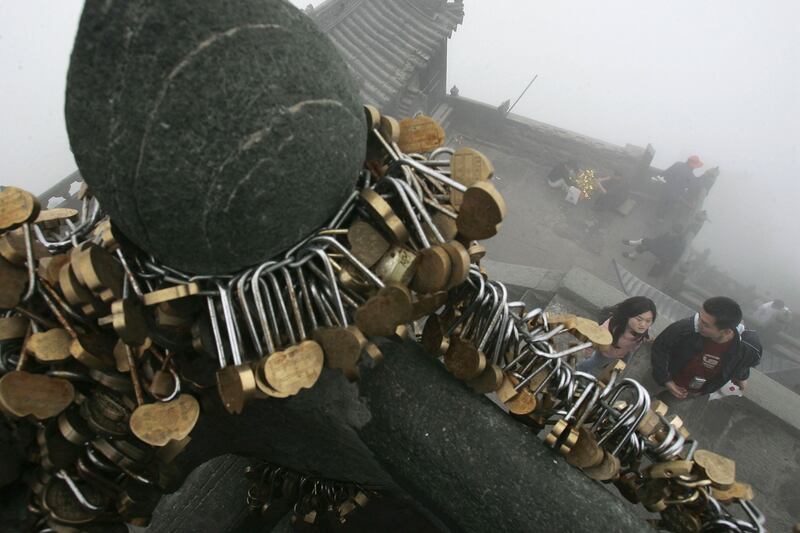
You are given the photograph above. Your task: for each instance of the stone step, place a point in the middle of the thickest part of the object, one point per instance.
(703, 293)
(588, 291)
(789, 341)
(786, 352)
(691, 299)
(441, 114)
(535, 286)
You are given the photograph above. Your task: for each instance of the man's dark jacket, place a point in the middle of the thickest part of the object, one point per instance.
(678, 178)
(677, 344)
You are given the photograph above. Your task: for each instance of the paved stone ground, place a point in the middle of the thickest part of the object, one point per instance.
(544, 231)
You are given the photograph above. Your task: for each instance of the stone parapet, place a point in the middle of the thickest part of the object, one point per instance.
(534, 286)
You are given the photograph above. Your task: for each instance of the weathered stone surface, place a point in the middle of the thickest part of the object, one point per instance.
(538, 284)
(589, 291)
(214, 498)
(470, 463)
(774, 398)
(524, 276)
(215, 133)
(409, 424)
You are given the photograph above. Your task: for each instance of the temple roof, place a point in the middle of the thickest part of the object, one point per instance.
(385, 41)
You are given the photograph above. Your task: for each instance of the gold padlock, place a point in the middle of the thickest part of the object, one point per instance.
(670, 469)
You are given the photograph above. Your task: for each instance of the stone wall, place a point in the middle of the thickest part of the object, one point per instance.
(543, 143)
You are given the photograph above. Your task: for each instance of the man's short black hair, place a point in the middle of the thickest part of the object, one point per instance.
(726, 312)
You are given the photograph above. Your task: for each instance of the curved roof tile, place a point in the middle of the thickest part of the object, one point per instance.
(384, 42)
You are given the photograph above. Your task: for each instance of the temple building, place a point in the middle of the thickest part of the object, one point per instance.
(396, 51)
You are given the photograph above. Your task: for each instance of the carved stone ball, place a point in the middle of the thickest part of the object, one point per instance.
(216, 134)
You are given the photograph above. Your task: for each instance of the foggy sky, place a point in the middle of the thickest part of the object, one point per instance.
(714, 78)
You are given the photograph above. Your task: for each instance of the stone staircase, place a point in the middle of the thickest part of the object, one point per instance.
(441, 114)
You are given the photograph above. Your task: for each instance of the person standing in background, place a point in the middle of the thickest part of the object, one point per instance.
(678, 179)
(770, 318)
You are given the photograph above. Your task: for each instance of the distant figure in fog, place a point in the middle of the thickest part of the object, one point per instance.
(678, 180)
(629, 323)
(698, 355)
(667, 247)
(771, 318)
(560, 175)
(504, 107)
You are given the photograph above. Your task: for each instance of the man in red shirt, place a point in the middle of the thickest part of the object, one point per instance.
(698, 355)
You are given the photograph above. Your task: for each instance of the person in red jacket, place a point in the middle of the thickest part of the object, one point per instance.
(698, 355)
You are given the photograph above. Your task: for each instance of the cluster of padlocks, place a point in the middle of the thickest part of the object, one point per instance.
(98, 340)
(276, 491)
(605, 425)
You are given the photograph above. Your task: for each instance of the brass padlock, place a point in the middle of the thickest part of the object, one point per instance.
(651, 421)
(720, 470)
(670, 469)
(398, 265)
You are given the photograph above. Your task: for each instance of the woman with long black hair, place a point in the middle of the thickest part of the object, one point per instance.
(629, 323)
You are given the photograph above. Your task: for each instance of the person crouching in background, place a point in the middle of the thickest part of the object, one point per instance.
(629, 323)
(560, 175)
